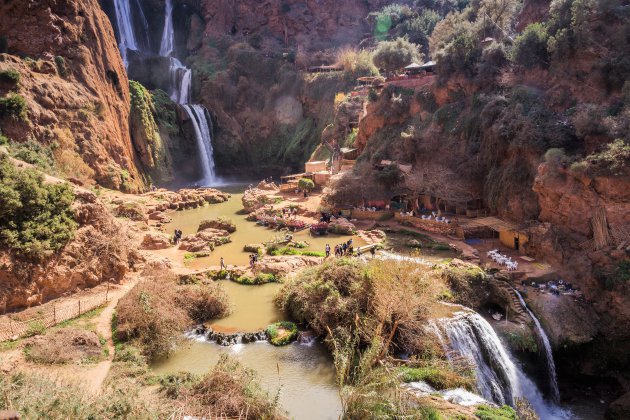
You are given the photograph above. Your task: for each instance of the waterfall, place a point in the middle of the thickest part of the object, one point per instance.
(472, 337)
(180, 78)
(125, 28)
(499, 379)
(197, 114)
(551, 366)
(168, 35)
(145, 26)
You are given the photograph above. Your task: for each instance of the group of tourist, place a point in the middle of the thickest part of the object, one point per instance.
(177, 236)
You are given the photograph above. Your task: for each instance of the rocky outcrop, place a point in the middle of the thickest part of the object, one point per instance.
(75, 86)
(254, 199)
(221, 223)
(204, 240)
(99, 252)
(155, 240)
(341, 226)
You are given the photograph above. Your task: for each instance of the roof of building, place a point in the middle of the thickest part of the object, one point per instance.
(494, 223)
(413, 66)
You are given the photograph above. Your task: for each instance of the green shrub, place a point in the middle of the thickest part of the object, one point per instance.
(439, 376)
(60, 62)
(530, 47)
(392, 56)
(36, 219)
(35, 328)
(10, 77)
(34, 153)
(260, 278)
(486, 412)
(306, 184)
(282, 333)
(14, 106)
(614, 160)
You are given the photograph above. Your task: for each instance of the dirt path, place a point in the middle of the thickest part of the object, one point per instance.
(95, 376)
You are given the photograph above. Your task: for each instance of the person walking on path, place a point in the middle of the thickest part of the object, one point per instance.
(327, 250)
(223, 267)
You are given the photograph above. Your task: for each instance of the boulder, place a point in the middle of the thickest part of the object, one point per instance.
(341, 226)
(222, 223)
(267, 186)
(154, 240)
(204, 240)
(253, 199)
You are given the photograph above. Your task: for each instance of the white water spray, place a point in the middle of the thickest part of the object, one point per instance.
(498, 379)
(551, 366)
(180, 91)
(125, 28)
(168, 34)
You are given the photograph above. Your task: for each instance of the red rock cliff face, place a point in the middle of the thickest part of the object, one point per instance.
(79, 101)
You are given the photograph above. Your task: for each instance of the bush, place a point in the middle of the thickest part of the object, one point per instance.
(10, 77)
(439, 376)
(150, 314)
(34, 153)
(392, 56)
(14, 106)
(306, 184)
(36, 219)
(614, 160)
(356, 63)
(232, 390)
(486, 412)
(282, 333)
(260, 278)
(60, 62)
(204, 303)
(530, 47)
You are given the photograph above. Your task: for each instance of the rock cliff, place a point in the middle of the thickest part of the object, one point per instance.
(75, 86)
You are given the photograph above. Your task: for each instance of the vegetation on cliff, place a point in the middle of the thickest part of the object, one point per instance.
(36, 219)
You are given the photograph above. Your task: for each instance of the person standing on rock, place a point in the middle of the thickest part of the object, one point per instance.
(373, 251)
(223, 267)
(327, 250)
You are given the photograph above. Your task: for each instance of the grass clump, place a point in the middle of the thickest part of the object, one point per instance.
(486, 412)
(13, 106)
(229, 390)
(10, 77)
(260, 278)
(289, 250)
(37, 397)
(439, 376)
(36, 218)
(282, 333)
(65, 345)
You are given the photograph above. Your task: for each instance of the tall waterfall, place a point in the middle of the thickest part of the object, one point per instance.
(180, 92)
(125, 28)
(197, 114)
(499, 379)
(168, 35)
(551, 366)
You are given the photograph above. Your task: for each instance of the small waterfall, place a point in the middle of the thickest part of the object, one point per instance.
(180, 77)
(125, 28)
(197, 114)
(180, 92)
(498, 379)
(145, 26)
(168, 35)
(471, 336)
(551, 366)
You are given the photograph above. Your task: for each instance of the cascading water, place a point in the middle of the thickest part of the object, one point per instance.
(551, 366)
(168, 35)
(499, 379)
(197, 114)
(145, 26)
(125, 28)
(180, 92)
(472, 337)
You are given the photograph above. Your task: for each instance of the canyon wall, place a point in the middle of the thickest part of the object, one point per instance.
(75, 86)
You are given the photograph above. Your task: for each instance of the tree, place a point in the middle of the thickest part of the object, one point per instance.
(530, 47)
(394, 55)
(306, 184)
(36, 219)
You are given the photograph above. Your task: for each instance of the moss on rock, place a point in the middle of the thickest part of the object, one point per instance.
(282, 333)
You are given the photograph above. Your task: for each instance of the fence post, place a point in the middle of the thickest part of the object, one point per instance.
(79, 307)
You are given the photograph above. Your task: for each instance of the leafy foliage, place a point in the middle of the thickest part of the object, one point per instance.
(392, 56)
(530, 47)
(306, 184)
(13, 106)
(11, 77)
(282, 333)
(36, 219)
